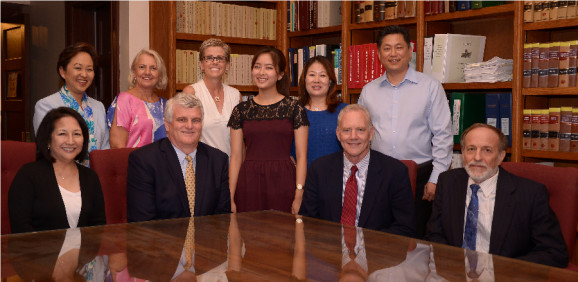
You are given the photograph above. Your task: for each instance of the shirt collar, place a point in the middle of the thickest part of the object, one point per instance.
(489, 185)
(410, 75)
(361, 165)
(181, 155)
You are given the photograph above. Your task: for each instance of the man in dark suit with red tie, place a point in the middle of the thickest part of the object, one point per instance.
(178, 176)
(359, 186)
(484, 208)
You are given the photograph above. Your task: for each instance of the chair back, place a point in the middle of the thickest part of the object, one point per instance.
(562, 185)
(412, 169)
(111, 166)
(14, 155)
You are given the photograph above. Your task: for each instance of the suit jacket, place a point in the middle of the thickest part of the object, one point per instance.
(387, 203)
(156, 187)
(35, 202)
(524, 226)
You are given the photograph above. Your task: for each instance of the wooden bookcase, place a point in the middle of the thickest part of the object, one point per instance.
(165, 39)
(502, 25)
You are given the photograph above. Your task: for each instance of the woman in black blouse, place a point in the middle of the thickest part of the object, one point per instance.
(57, 192)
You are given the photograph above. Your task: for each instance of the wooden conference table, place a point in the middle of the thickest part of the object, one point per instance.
(255, 246)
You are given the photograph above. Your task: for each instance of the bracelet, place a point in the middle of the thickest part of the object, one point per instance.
(299, 187)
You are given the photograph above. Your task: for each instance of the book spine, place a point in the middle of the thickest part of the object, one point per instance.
(574, 135)
(526, 129)
(528, 11)
(553, 10)
(535, 65)
(571, 10)
(537, 11)
(527, 69)
(535, 137)
(493, 109)
(572, 62)
(562, 9)
(544, 65)
(565, 128)
(553, 64)
(545, 16)
(544, 129)
(505, 122)
(554, 129)
(564, 64)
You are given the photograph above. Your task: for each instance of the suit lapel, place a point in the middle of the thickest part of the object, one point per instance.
(503, 209)
(201, 173)
(335, 187)
(176, 173)
(458, 204)
(372, 188)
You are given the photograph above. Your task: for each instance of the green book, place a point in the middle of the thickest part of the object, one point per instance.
(467, 109)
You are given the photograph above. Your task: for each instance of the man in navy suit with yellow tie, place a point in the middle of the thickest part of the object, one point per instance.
(484, 208)
(157, 173)
(359, 186)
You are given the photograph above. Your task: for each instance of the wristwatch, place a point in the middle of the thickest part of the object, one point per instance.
(299, 187)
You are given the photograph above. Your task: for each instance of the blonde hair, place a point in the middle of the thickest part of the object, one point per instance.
(163, 79)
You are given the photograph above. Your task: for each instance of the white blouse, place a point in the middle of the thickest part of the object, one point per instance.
(215, 130)
(72, 204)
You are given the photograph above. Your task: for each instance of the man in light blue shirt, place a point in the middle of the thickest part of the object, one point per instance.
(411, 116)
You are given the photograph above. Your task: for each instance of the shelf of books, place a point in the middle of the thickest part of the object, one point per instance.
(495, 11)
(178, 28)
(549, 91)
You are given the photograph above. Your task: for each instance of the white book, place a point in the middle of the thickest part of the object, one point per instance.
(320, 50)
(452, 52)
(334, 13)
(179, 67)
(198, 66)
(427, 55)
(191, 68)
(273, 24)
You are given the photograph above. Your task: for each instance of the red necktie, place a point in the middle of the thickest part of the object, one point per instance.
(349, 210)
(350, 234)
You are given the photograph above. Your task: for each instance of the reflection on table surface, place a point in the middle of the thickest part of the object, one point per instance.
(256, 246)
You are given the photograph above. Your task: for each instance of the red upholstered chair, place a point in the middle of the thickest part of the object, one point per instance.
(14, 155)
(412, 169)
(562, 185)
(111, 166)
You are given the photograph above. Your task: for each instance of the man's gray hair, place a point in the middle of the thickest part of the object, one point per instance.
(185, 100)
(354, 108)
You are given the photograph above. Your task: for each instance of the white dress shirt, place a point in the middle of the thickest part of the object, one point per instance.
(486, 203)
(360, 175)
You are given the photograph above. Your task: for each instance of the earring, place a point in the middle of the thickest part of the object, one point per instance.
(134, 80)
(48, 147)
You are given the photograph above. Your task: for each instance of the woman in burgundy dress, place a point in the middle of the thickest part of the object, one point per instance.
(266, 125)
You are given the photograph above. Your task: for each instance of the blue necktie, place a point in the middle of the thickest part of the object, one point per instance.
(471, 220)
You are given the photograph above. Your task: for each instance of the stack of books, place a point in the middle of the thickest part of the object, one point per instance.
(553, 129)
(220, 19)
(550, 64)
(376, 11)
(539, 11)
(306, 15)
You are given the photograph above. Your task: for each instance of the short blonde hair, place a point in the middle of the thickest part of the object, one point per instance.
(163, 79)
(214, 42)
(184, 100)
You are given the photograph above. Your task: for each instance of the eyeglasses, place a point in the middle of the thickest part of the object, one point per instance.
(212, 59)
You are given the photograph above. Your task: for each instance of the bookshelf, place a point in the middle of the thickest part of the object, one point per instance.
(537, 98)
(502, 25)
(165, 39)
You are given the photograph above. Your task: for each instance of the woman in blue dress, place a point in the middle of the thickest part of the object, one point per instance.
(318, 94)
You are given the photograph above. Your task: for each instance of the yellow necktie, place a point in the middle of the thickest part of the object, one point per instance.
(190, 184)
(190, 243)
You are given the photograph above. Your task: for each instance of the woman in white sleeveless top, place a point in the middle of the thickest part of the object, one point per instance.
(218, 99)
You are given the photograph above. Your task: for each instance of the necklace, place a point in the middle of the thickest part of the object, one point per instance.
(217, 98)
(315, 109)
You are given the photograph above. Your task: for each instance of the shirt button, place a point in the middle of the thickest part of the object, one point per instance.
(394, 131)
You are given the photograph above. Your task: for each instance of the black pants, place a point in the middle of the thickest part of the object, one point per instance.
(423, 208)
